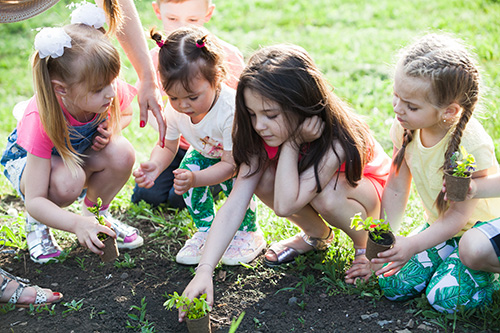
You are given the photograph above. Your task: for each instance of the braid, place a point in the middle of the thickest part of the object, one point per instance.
(453, 146)
(398, 160)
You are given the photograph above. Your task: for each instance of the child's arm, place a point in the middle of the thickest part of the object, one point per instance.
(485, 187)
(160, 159)
(216, 174)
(126, 117)
(36, 179)
(226, 223)
(294, 191)
(444, 228)
(396, 193)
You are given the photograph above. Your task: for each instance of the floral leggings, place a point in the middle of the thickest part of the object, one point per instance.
(447, 282)
(199, 200)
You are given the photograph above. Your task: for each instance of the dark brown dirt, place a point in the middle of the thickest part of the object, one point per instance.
(273, 299)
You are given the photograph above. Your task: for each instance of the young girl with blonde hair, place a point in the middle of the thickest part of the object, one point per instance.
(436, 90)
(68, 138)
(201, 109)
(306, 155)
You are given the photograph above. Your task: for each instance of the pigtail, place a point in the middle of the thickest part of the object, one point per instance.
(51, 114)
(453, 146)
(398, 159)
(186, 53)
(114, 15)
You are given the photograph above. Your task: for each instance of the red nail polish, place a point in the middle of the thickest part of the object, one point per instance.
(57, 294)
(143, 123)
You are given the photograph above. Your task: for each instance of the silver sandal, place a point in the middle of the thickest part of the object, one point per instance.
(41, 297)
(286, 254)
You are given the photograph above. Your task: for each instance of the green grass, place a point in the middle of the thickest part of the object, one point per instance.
(353, 42)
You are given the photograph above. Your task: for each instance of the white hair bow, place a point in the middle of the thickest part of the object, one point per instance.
(89, 14)
(51, 42)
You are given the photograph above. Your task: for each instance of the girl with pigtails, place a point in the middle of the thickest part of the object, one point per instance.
(69, 138)
(201, 109)
(436, 90)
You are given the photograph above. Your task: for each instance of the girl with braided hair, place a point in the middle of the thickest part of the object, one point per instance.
(201, 109)
(436, 90)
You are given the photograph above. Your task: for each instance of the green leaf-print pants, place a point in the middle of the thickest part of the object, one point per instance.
(199, 200)
(447, 282)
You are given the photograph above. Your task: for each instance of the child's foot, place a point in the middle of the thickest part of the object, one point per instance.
(127, 236)
(15, 291)
(287, 250)
(245, 247)
(191, 252)
(42, 245)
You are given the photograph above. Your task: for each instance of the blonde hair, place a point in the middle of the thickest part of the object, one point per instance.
(114, 13)
(454, 77)
(93, 62)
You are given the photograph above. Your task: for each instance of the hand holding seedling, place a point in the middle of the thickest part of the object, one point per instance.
(146, 174)
(201, 284)
(184, 180)
(91, 232)
(310, 130)
(100, 141)
(397, 256)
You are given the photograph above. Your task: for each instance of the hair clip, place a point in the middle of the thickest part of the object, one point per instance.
(51, 42)
(200, 43)
(89, 14)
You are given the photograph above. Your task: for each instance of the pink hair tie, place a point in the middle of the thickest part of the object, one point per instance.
(160, 43)
(200, 43)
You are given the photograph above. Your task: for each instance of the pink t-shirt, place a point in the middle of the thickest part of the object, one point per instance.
(32, 136)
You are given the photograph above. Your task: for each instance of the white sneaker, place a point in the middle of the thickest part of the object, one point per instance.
(245, 247)
(42, 245)
(191, 252)
(127, 237)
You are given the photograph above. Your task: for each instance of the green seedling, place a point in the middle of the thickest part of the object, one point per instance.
(141, 323)
(195, 308)
(374, 227)
(73, 306)
(462, 163)
(81, 262)
(128, 262)
(96, 211)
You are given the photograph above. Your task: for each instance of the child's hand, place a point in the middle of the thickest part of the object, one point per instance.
(199, 285)
(102, 139)
(146, 174)
(470, 194)
(184, 180)
(310, 130)
(397, 257)
(86, 231)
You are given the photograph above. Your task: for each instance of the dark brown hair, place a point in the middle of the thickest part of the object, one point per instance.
(181, 60)
(286, 75)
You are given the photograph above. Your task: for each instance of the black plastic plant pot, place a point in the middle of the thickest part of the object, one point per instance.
(373, 247)
(456, 187)
(200, 325)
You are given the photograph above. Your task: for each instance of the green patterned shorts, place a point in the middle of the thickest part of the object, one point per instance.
(448, 284)
(199, 200)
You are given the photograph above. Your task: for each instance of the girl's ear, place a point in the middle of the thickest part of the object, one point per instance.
(210, 12)
(59, 87)
(452, 111)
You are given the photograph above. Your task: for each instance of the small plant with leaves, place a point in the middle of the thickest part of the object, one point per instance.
(462, 163)
(95, 210)
(195, 309)
(375, 227)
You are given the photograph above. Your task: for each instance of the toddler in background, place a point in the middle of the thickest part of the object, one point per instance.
(175, 14)
(200, 108)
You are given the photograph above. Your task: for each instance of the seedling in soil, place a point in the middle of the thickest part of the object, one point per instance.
(195, 308)
(143, 325)
(128, 262)
(80, 262)
(96, 211)
(73, 306)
